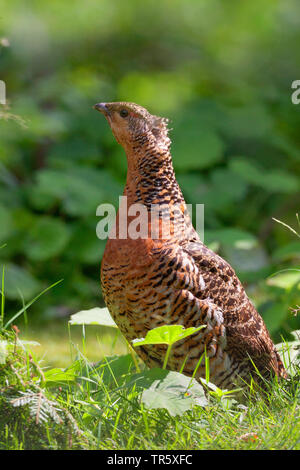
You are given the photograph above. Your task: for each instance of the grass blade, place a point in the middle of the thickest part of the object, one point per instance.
(30, 303)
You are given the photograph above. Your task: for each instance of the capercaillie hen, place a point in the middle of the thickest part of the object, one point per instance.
(175, 279)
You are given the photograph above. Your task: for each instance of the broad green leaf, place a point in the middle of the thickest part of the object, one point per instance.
(174, 392)
(246, 169)
(79, 189)
(194, 187)
(6, 224)
(246, 259)
(287, 252)
(289, 352)
(278, 181)
(196, 147)
(58, 375)
(39, 198)
(223, 189)
(73, 150)
(296, 335)
(84, 244)
(241, 249)
(285, 280)
(247, 122)
(47, 238)
(94, 316)
(228, 184)
(114, 369)
(167, 334)
(237, 238)
(162, 91)
(78, 196)
(274, 316)
(285, 144)
(18, 283)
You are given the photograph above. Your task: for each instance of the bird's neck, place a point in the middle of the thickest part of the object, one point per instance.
(151, 182)
(150, 176)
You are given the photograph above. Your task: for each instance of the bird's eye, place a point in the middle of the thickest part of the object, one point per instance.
(123, 113)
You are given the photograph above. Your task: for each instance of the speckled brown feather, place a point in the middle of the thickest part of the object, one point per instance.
(177, 280)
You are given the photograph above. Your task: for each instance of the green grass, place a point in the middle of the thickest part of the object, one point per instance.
(54, 340)
(100, 406)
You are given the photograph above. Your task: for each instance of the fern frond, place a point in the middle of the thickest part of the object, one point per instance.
(40, 407)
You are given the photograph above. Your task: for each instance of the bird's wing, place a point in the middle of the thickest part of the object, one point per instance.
(212, 278)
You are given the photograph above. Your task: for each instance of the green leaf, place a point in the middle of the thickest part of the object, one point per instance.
(285, 280)
(237, 238)
(47, 238)
(252, 121)
(244, 259)
(6, 224)
(280, 181)
(19, 283)
(274, 316)
(167, 334)
(273, 180)
(196, 148)
(84, 244)
(173, 391)
(242, 250)
(289, 352)
(287, 252)
(65, 153)
(193, 185)
(115, 369)
(162, 91)
(80, 189)
(58, 375)
(229, 184)
(94, 316)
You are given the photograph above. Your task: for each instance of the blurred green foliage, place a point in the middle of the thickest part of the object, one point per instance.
(221, 71)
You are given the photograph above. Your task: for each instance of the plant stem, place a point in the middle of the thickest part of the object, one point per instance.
(167, 356)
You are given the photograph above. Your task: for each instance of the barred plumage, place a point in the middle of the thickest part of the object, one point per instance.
(176, 279)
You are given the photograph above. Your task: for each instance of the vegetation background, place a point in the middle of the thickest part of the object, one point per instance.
(221, 71)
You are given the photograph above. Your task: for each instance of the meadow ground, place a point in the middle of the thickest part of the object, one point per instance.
(85, 391)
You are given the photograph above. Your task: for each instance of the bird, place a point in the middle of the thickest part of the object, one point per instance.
(171, 277)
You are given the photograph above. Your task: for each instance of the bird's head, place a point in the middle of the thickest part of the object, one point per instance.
(132, 124)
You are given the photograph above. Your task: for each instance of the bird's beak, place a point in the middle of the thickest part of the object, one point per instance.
(102, 108)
